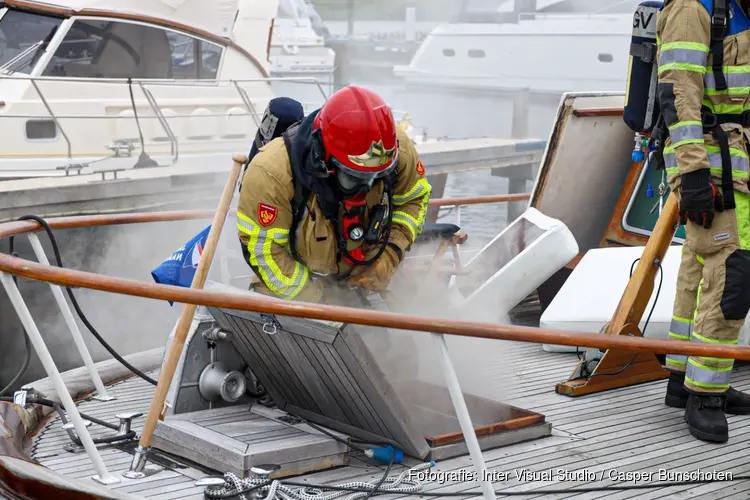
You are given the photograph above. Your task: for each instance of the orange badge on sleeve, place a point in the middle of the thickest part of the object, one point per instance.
(267, 214)
(420, 167)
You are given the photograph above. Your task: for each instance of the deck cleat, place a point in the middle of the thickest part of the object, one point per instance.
(264, 471)
(71, 428)
(126, 419)
(211, 482)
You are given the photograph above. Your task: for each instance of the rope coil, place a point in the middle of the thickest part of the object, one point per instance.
(234, 487)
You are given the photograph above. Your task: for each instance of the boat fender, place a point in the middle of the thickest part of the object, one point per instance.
(641, 104)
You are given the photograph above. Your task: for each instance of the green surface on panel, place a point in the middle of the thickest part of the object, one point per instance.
(638, 215)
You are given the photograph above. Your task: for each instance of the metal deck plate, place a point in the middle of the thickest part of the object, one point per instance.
(324, 372)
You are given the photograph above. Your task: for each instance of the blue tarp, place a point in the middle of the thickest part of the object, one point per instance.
(179, 268)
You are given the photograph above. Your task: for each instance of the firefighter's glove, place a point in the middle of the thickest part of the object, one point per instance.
(699, 198)
(377, 275)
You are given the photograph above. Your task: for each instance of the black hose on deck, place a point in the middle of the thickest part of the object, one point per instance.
(26, 340)
(77, 307)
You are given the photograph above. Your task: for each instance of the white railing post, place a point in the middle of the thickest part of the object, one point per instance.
(464, 419)
(41, 256)
(102, 474)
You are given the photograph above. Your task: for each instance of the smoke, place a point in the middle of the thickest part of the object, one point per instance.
(482, 365)
(129, 324)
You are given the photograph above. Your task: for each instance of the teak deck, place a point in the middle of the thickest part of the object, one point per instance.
(627, 429)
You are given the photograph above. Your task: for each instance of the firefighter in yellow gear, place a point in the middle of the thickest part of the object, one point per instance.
(704, 96)
(339, 198)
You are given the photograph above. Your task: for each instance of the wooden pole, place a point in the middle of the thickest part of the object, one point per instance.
(155, 412)
(619, 368)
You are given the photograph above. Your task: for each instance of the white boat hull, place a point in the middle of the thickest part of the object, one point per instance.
(547, 55)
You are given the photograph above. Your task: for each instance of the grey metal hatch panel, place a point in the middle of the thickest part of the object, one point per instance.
(324, 372)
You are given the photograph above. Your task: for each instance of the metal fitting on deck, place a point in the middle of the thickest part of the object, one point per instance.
(216, 382)
(217, 335)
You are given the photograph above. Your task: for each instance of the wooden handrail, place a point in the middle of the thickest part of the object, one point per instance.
(21, 227)
(243, 302)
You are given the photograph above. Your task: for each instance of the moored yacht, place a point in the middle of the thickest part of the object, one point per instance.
(105, 84)
(547, 46)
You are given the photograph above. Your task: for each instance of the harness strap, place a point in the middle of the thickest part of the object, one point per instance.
(740, 119)
(718, 32)
(298, 202)
(712, 124)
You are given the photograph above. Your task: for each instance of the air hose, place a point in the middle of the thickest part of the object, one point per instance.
(76, 307)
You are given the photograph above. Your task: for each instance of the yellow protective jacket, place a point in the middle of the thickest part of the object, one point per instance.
(264, 218)
(686, 83)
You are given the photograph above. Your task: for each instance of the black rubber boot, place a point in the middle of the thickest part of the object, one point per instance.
(677, 395)
(705, 417)
(738, 403)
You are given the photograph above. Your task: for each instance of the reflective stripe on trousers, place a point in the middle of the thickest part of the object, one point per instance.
(679, 329)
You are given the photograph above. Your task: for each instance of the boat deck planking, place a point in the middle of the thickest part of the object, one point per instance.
(594, 432)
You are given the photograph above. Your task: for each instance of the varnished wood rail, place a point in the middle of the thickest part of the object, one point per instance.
(75, 278)
(21, 227)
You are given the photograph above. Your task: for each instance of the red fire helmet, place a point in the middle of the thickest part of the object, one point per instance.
(358, 133)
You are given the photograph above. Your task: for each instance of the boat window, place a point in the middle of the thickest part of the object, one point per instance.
(210, 58)
(193, 58)
(605, 58)
(449, 52)
(23, 38)
(41, 129)
(112, 49)
(184, 55)
(476, 53)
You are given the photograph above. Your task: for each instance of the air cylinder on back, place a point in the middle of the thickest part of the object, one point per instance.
(641, 104)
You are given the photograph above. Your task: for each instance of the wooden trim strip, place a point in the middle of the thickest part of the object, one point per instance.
(593, 112)
(54, 10)
(479, 200)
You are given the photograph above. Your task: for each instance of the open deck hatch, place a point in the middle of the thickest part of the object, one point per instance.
(325, 373)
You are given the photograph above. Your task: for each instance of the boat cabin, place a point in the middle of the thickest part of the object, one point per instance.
(193, 72)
